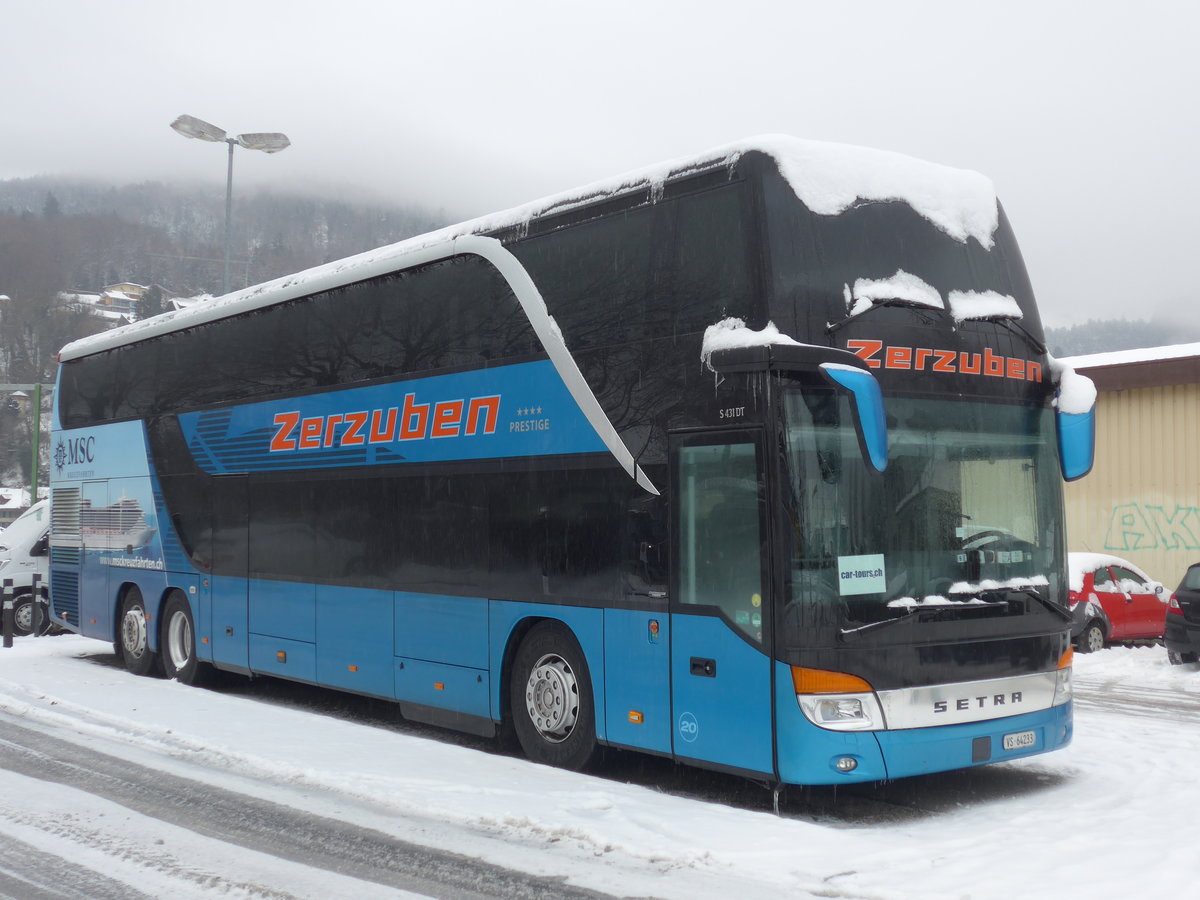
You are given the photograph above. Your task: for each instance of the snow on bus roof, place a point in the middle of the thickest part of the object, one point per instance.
(828, 178)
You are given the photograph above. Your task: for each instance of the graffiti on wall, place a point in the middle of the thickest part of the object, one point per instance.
(1141, 526)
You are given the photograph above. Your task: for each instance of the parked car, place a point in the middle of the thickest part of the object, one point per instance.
(1182, 635)
(24, 553)
(1112, 600)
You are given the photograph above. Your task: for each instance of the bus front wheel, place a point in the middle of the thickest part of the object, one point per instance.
(551, 699)
(135, 634)
(179, 642)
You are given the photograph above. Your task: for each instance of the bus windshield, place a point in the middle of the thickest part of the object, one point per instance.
(970, 504)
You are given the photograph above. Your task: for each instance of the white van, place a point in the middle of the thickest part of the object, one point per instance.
(24, 552)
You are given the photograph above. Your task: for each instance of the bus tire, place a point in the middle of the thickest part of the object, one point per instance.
(134, 634)
(178, 642)
(550, 696)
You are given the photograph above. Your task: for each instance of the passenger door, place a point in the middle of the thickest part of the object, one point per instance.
(720, 609)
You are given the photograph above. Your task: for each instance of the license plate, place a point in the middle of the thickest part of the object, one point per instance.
(1020, 740)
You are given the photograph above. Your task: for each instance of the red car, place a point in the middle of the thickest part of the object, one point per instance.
(1112, 600)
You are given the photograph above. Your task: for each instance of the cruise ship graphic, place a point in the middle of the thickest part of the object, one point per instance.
(119, 526)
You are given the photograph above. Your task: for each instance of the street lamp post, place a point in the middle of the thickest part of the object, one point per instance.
(267, 142)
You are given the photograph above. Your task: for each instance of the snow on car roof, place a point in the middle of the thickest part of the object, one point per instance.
(1079, 564)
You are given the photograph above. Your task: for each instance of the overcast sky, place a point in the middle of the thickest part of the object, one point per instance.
(1085, 115)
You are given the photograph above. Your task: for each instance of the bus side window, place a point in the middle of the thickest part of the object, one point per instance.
(646, 547)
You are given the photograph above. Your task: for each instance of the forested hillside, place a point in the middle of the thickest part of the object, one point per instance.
(58, 235)
(1103, 335)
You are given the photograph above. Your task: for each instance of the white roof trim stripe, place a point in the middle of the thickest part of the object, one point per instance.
(392, 258)
(334, 276)
(547, 331)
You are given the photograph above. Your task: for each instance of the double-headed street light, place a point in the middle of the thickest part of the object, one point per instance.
(267, 142)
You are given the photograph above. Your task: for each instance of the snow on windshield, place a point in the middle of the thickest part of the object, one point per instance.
(902, 286)
(965, 305)
(964, 587)
(908, 289)
(989, 584)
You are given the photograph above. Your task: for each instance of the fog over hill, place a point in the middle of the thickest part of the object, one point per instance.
(173, 235)
(1105, 335)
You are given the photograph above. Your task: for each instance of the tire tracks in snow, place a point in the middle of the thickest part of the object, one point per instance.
(243, 821)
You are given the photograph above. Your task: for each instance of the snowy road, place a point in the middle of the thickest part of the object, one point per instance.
(276, 830)
(117, 786)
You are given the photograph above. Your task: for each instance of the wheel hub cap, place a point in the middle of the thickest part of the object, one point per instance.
(133, 632)
(552, 698)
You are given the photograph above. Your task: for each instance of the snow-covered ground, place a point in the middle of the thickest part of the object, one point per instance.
(1111, 816)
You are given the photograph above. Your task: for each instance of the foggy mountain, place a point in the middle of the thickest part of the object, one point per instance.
(173, 236)
(1105, 335)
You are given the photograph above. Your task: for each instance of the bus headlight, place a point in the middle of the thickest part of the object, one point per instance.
(1062, 687)
(842, 712)
(837, 700)
(1062, 684)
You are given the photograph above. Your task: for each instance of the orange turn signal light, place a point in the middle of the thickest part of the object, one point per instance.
(820, 681)
(1064, 661)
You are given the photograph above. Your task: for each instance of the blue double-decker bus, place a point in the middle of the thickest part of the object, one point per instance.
(752, 460)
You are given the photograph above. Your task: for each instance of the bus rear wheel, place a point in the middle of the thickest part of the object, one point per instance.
(178, 642)
(135, 634)
(550, 696)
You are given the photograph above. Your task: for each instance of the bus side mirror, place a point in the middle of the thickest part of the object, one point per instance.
(867, 403)
(1076, 443)
(1075, 420)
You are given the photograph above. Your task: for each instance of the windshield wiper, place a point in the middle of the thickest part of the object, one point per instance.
(1016, 327)
(877, 303)
(1061, 611)
(924, 613)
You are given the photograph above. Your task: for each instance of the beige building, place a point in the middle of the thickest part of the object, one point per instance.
(1142, 498)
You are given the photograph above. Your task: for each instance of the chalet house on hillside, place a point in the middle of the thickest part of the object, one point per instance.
(117, 303)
